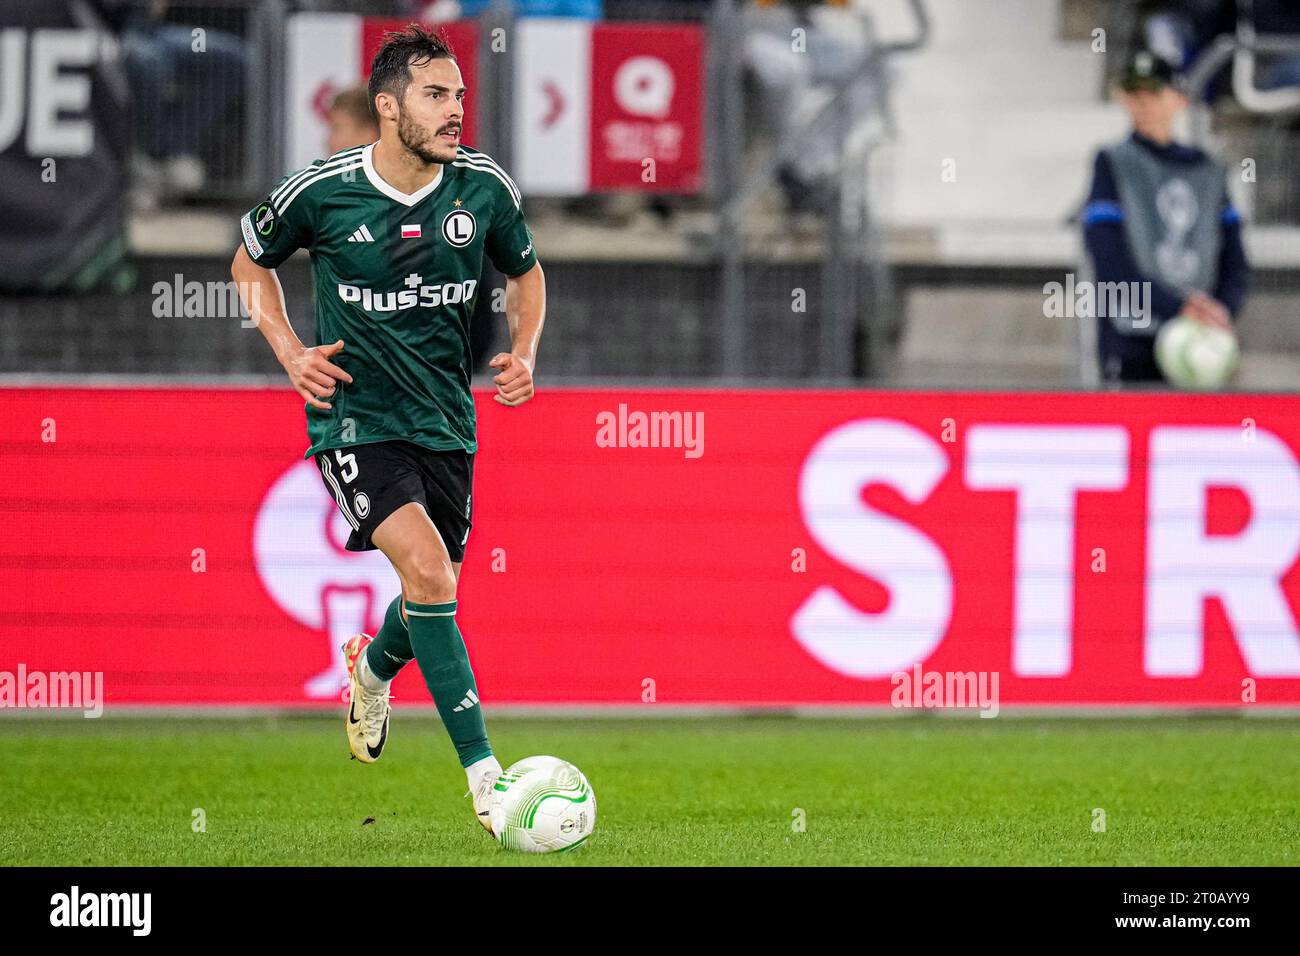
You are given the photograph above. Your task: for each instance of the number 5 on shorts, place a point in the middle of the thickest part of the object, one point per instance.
(348, 463)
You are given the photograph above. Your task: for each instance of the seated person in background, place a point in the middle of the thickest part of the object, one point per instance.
(186, 96)
(1159, 217)
(792, 82)
(350, 121)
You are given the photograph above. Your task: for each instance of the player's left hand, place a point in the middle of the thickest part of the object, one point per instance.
(515, 381)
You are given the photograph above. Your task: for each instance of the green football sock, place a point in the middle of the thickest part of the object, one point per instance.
(444, 662)
(391, 649)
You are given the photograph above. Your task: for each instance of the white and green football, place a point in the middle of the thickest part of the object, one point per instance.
(1192, 354)
(543, 805)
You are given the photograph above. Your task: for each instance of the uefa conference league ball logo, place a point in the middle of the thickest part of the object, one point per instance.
(298, 548)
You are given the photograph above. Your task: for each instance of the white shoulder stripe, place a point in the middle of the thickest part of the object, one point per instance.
(482, 159)
(487, 162)
(339, 159)
(315, 179)
(491, 172)
(288, 185)
(295, 178)
(505, 180)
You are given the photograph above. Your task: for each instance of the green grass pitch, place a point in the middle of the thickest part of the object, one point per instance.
(913, 790)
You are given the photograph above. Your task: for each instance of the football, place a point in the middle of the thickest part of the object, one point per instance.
(1192, 354)
(543, 805)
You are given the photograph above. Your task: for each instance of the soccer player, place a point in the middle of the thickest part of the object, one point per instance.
(397, 231)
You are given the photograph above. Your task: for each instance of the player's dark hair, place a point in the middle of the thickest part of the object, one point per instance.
(415, 45)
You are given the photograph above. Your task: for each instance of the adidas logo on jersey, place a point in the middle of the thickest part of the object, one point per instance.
(468, 701)
(361, 235)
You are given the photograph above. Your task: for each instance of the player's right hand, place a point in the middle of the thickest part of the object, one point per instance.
(313, 374)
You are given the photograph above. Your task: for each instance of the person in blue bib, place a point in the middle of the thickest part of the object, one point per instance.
(1159, 221)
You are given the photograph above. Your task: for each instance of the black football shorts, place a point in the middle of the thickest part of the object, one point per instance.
(369, 482)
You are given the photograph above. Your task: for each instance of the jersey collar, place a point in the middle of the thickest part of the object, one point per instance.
(406, 199)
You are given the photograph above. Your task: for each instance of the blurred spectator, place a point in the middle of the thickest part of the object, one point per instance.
(351, 121)
(184, 83)
(1178, 31)
(794, 73)
(1159, 215)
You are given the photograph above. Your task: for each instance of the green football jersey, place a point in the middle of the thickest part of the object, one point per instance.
(396, 277)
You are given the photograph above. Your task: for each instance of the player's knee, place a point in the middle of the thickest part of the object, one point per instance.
(431, 582)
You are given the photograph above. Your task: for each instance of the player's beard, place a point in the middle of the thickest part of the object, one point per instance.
(423, 143)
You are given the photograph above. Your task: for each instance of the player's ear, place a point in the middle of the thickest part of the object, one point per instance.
(386, 106)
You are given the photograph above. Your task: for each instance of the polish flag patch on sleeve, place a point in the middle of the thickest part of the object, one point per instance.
(411, 232)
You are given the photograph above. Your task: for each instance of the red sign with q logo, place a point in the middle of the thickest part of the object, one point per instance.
(646, 105)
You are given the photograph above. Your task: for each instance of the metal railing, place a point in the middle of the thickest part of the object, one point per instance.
(1271, 141)
(1228, 47)
(721, 309)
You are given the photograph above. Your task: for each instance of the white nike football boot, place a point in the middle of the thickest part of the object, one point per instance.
(367, 717)
(484, 794)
